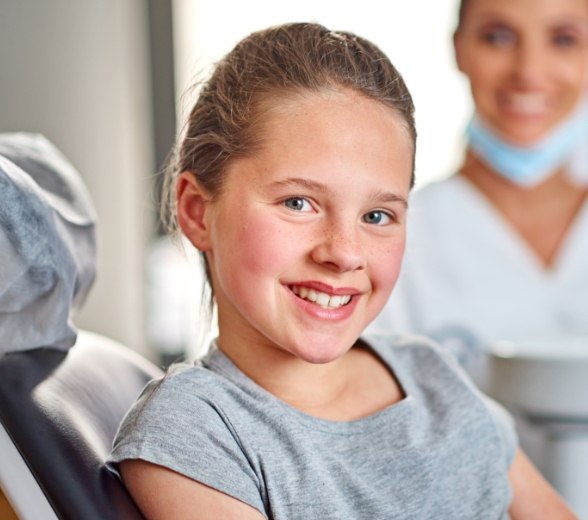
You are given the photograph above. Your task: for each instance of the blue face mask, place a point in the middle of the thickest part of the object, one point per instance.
(529, 166)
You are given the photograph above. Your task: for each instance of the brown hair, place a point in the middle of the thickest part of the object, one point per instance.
(284, 59)
(460, 13)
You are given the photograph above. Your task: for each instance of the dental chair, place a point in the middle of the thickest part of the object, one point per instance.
(59, 411)
(63, 392)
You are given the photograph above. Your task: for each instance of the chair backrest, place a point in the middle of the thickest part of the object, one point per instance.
(59, 412)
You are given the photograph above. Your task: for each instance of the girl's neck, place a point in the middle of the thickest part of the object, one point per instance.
(354, 386)
(541, 215)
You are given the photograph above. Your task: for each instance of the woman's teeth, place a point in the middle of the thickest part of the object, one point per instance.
(322, 299)
(527, 104)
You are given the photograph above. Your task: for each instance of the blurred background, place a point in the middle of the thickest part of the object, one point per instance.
(105, 81)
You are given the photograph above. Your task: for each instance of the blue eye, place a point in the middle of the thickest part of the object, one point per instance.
(297, 204)
(377, 218)
(499, 37)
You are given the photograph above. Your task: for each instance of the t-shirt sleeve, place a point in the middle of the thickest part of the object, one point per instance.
(181, 429)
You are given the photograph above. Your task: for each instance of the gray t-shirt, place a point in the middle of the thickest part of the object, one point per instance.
(442, 452)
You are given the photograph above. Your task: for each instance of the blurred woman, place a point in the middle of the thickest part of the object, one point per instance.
(499, 250)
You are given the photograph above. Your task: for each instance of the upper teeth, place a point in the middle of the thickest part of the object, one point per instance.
(527, 103)
(326, 301)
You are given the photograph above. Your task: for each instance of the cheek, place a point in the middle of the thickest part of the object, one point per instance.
(387, 268)
(483, 75)
(577, 75)
(256, 246)
(483, 86)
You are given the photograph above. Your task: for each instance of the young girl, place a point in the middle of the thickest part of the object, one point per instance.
(293, 179)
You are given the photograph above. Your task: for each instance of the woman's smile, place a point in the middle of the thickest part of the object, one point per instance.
(527, 63)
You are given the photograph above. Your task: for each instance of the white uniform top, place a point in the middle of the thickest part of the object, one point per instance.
(467, 272)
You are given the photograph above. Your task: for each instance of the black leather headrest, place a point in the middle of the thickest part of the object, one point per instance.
(62, 410)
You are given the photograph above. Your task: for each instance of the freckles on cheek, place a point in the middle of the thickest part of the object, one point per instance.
(263, 246)
(389, 265)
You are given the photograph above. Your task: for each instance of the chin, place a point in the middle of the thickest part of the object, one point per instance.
(319, 359)
(322, 352)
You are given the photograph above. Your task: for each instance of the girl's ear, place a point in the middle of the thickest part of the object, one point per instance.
(192, 210)
(458, 51)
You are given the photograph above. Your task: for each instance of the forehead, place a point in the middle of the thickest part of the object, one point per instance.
(276, 112)
(335, 137)
(550, 11)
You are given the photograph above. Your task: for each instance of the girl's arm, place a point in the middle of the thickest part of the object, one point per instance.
(162, 494)
(533, 496)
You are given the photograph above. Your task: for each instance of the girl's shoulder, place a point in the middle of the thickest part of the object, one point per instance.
(423, 366)
(432, 376)
(411, 352)
(208, 382)
(190, 421)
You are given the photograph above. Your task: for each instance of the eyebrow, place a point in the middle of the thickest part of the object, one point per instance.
(570, 22)
(386, 196)
(493, 17)
(297, 181)
(377, 196)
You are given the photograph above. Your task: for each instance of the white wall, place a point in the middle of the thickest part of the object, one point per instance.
(77, 71)
(416, 34)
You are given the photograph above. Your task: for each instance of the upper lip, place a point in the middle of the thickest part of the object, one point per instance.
(326, 288)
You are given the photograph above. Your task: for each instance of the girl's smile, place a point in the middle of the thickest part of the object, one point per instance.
(329, 306)
(306, 238)
(333, 299)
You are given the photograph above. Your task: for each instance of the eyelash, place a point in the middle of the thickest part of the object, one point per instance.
(386, 215)
(564, 40)
(390, 217)
(291, 199)
(498, 37)
(502, 36)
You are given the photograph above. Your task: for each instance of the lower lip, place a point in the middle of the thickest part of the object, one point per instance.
(318, 312)
(524, 115)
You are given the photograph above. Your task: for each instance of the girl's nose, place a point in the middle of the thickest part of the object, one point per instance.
(339, 250)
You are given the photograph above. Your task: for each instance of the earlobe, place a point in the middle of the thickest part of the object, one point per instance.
(192, 207)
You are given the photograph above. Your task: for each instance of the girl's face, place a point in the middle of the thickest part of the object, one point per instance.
(527, 62)
(305, 241)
